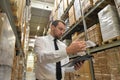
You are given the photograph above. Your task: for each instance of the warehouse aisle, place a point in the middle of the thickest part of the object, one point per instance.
(30, 76)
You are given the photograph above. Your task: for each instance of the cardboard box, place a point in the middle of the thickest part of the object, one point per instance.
(55, 17)
(93, 33)
(17, 7)
(7, 42)
(86, 5)
(5, 72)
(109, 22)
(110, 60)
(77, 7)
(69, 1)
(65, 2)
(60, 10)
(72, 19)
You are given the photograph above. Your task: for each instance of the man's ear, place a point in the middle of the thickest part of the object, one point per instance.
(52, 27)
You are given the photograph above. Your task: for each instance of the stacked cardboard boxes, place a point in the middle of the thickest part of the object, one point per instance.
(60, 10)
(109, 23)
(7, 48)
(55, 17)
(84, 72)
(93, 33)
(69, 1)
(77, 7)
(65, 4)
(15, 68)
(72, 19)
(107, 64)
(7, 41)
(86, 5)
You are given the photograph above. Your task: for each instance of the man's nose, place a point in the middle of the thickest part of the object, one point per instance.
(62, 31)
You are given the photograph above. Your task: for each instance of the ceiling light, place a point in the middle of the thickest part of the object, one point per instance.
(38, 28)
(35, 36)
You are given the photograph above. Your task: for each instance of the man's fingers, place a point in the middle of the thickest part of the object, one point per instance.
(78, 65)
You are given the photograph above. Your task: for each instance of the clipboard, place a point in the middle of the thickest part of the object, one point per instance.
(76, 60)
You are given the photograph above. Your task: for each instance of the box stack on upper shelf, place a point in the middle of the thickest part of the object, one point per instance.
(60, 10)
(65, 4)
(90, 12)
(54, 13)
(86, 5)
(109, 23)
(93, 33)
(69, 1)
(72, 19)
(77, 8)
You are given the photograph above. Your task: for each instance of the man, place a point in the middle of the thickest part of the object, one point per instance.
(48, 56)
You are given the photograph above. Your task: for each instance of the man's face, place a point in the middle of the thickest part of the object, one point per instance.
(59, 30)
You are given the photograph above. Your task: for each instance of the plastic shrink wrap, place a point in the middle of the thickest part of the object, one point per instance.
(109, 22)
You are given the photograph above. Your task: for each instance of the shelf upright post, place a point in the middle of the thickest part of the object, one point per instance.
(84, 22)
(86, 38)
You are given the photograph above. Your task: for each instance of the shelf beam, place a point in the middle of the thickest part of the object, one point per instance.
(5, 5)
(104, 47)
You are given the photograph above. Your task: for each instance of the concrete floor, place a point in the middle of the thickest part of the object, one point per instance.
(30, 76)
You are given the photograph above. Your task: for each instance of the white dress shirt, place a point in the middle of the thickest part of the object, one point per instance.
(48, 56)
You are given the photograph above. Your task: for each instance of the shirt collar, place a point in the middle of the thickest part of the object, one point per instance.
(50, 37)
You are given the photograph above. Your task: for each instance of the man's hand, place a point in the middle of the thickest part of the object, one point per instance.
(78, 65)
(76, 46)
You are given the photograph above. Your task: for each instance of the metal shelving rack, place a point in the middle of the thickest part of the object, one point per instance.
(75, 25)
(92, 50)
(5, 5)
(96, 49)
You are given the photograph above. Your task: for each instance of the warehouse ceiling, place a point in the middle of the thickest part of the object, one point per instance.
(40, 12)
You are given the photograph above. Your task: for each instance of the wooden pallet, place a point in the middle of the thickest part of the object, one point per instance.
(97, 45)
(111, 40)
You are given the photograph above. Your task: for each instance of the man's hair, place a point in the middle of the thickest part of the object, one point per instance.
(55, 23)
